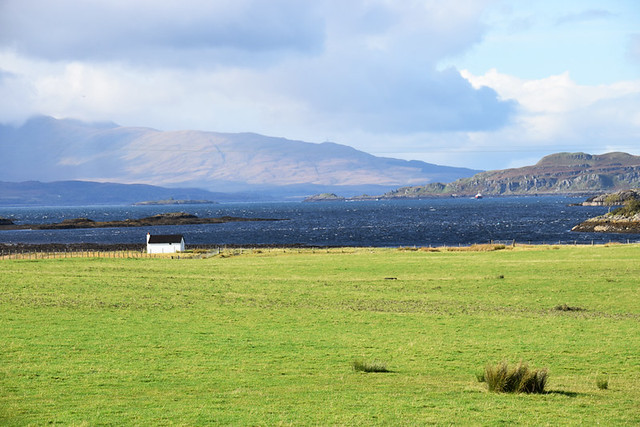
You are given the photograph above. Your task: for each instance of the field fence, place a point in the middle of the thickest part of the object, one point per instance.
(196, 251)
(565, 242)
(75, 254)
(207, 251)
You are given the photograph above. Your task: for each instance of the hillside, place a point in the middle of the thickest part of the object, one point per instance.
(69, 193)
(561, 173)
(47, 149)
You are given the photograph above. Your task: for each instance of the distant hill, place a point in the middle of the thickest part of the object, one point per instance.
(70, 193)
(561, 173)
(47, 149)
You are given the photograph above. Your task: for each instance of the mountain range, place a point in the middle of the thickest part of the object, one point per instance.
(103, 163)
(47, 149)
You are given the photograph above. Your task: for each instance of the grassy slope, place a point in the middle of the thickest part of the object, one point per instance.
(269, 338)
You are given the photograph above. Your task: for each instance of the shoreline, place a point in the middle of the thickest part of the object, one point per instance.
(172, 218)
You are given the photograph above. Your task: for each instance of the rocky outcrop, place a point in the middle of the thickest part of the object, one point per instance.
(618, 198)
(624, 219)
(5, 221)
(173, 218)
(610, 224)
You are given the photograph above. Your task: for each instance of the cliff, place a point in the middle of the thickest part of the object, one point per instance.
(561, 173)
(618, 198)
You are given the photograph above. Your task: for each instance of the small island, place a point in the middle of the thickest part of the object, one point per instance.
(173, 218)
(324, 197)
(625, 219)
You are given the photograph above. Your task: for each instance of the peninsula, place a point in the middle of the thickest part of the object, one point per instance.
(560, 173)
(173, 218)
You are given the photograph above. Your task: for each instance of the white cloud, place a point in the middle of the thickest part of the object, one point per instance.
(364, 73)
(268, 65)
(556, 114)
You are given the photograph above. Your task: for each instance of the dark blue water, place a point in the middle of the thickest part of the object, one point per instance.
(373, 223)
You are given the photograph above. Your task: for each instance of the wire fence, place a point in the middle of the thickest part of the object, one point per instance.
(197, 251)
(76, 254)
(207, 251)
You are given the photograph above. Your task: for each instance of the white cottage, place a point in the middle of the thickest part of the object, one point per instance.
(164, 243)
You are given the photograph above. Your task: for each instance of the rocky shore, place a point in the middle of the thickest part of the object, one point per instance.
(618, 198)
(174, 218)
(625, 219)
(610, 224)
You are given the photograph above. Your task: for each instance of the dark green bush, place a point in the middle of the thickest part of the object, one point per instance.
(565, 307)
(602, 382)
(502, 378)
(360, 365)
(630, 208)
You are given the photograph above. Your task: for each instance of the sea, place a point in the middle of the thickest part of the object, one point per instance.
(381, 223)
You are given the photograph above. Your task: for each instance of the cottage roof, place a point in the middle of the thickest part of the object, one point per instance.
(165, 238)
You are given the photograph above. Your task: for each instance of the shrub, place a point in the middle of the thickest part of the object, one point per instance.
(502, 378)
(565, 307)
(630, 208)
(602, 382)
(612, 199)
(360, 365)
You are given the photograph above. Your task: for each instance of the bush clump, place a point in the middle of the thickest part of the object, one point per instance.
(360, 365)
(502, 378)
(602, 382)
(566, 307)
(630, 208)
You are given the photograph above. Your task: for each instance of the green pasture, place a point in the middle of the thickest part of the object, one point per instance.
(269, 337)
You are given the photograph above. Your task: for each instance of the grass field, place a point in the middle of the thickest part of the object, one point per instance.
(268, 338)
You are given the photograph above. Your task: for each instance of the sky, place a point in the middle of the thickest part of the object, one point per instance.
(484, 84)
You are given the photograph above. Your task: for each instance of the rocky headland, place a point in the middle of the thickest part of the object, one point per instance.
(610, 224)
(577, 174)
(561, 173)
(625, 219)
(173, 218)
(618, 198)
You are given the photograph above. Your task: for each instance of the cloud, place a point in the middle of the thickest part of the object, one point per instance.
(168, 32)
(379, 98)
(277, 67)
(557, 114)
